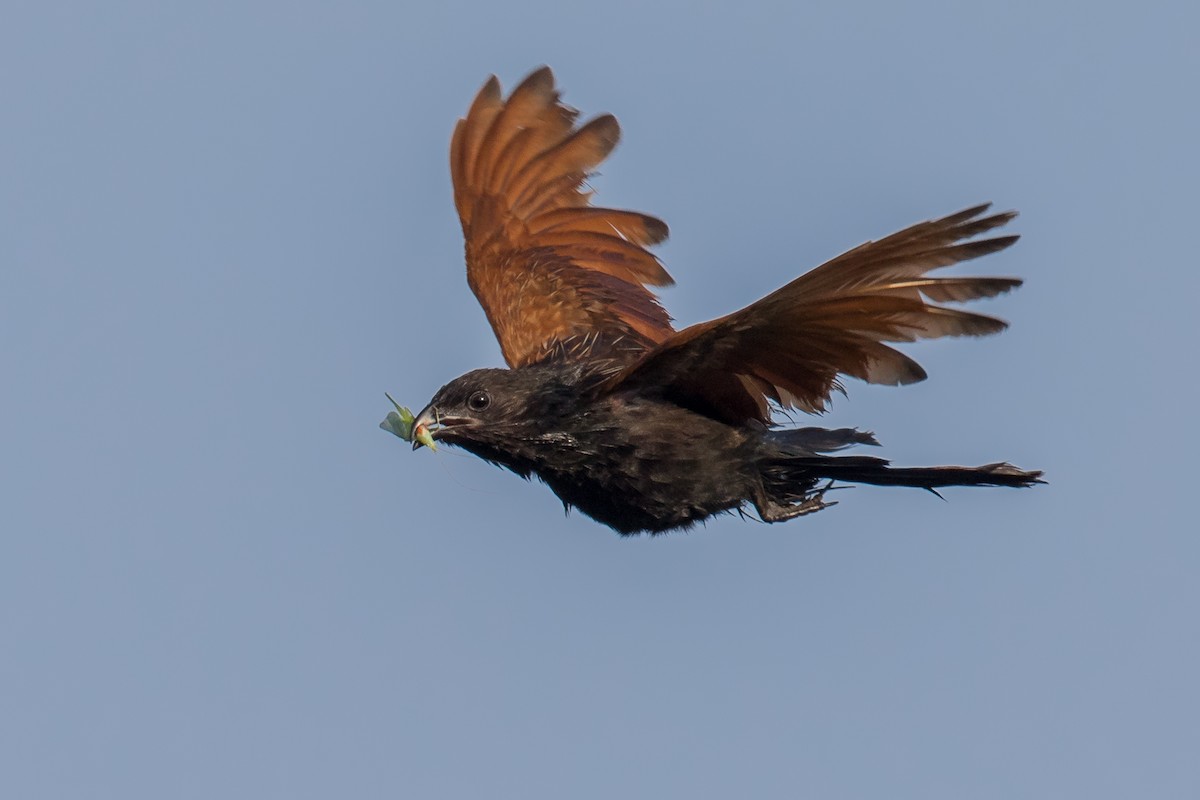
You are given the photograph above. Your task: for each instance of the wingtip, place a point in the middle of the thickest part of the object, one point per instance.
(607, 130)
(539, 83)
(998, 218)
(998, 243)
(489, 92)
(974, 213)
(540, 75)
(657, 231)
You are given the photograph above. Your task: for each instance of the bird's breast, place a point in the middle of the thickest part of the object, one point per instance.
(639, 464)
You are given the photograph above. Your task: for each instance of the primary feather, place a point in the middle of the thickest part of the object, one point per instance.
(548, 268)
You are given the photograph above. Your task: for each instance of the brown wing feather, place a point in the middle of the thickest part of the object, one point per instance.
(791, 346)
(549, 269)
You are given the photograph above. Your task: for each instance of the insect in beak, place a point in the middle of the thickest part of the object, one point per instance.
(425, 425)
(402, 423)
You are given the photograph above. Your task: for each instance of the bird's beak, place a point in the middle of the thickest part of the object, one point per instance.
(430, 425)
(425, 425)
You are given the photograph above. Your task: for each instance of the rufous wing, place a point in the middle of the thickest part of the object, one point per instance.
(553, 273)
(790, 347)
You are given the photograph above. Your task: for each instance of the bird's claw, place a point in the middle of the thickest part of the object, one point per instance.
(773, 511)
(815, 502)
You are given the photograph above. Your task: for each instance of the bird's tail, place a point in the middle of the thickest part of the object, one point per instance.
(796, 474)
(877, 471)
(797, 457)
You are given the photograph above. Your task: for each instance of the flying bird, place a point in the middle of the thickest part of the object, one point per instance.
(645, 428)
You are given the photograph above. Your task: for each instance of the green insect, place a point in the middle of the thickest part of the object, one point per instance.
(400, 422)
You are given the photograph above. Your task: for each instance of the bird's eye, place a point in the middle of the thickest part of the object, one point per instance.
(478, 401)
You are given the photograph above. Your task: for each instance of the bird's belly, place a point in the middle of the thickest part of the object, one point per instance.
(654, 485)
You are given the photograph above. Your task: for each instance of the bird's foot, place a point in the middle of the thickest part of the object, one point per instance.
(771, 510)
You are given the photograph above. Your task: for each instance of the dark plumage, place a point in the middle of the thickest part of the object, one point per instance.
(640, 426)
(637, 461)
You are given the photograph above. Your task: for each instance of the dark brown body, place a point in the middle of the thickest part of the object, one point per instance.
(642, 462)
(640, 451)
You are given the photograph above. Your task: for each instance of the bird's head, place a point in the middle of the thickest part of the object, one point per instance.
(482, 409)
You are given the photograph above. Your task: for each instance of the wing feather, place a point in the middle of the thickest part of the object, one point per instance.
(469, 132)
(548, 268)
(790, 347)
(641, 229)
(577, 155)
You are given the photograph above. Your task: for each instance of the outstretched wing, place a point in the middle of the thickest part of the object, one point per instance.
(553, 273)
(791, 346)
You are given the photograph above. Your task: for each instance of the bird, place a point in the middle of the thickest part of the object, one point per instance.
(649, 429)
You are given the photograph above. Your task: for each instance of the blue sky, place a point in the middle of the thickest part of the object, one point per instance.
(227, 230)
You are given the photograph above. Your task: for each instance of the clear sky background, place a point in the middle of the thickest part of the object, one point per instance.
(226, 230)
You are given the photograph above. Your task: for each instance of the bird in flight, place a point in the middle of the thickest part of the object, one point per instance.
(645, 428)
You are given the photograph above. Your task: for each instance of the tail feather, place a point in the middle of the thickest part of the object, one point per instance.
(795, 477)
(879, 472)
(806, 441)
